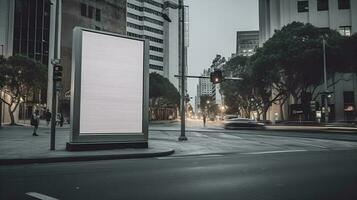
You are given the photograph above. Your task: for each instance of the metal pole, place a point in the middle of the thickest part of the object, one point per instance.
(183, 91)
(325, 80)
(1, 110)
(54, 92)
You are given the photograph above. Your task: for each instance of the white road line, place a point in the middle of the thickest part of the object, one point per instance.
(228, 136)
(188, 156)
(271, 152)
(40, 196)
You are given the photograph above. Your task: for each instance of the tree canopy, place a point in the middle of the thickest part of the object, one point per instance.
(20, 76)
(162, 92)
(289, 64)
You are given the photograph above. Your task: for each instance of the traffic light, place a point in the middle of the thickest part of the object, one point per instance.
(216, 76)
(57, 73)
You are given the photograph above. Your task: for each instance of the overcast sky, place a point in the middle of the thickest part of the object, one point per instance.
(213, 27)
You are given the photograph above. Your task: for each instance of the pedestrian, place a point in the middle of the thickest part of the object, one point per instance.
(48, 116)
(204, 120)
(35, 120)
(61, 119)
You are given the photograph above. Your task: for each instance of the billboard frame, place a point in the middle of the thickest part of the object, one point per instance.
(139, 139)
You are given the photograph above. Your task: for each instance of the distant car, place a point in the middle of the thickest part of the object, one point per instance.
(227, 117)
(243, 123)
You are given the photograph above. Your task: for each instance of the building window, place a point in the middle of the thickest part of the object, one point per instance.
(157, 58)
(345, 30)
(344, 4)
(349, 104)
(83, 9)
(134, 35)
(97, 15)
(303, 6)
(156, 67)
(152, 48)
(90, 12)
(322, 5)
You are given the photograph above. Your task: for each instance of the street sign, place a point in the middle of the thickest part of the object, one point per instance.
(109, 89)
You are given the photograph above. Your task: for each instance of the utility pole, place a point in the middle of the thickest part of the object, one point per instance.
(54, 90)
(325, 80)
(183, 89)
(1, 110)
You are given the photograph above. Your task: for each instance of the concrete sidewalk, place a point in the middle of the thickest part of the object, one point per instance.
(18, 146)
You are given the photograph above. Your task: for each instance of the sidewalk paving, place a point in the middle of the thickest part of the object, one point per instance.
(18, 146)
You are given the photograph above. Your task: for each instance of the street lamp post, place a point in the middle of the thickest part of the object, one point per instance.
(183, 89)
(325, 80)
(1, 110)
(54, 92)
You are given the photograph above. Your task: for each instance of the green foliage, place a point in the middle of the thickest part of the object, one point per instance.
(20, 76)
(289, 64)
(238, 93)
(162, 92)
(294, 53)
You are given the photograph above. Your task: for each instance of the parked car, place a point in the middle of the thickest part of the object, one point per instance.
(243, 123)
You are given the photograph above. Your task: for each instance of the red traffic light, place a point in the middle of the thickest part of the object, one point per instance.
(216, 76)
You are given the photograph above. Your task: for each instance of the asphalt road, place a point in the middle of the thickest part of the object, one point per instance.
(254, 175)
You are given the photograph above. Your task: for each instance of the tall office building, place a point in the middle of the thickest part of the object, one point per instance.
(247, 42)
(145, 20)
(339, 15)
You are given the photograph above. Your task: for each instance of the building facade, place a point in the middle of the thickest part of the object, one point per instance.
(339, 15)
(107, 15)
(145, 20)
(247, 42)
(27, 28)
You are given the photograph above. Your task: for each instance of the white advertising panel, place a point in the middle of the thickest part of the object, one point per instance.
(111, 89)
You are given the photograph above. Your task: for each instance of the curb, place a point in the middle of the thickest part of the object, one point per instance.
(163, 122)
(84, 158)
(324, 130)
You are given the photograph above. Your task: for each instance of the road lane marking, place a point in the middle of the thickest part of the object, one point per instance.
(228, 136)
(271, 152)
(188, 156)
(40, 196)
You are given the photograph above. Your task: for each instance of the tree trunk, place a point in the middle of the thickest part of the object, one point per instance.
(265, 114)
(12, 118)
(281, 111)
(11, 111)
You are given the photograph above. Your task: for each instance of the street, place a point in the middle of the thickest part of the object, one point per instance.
(212, 164)
(266, 175)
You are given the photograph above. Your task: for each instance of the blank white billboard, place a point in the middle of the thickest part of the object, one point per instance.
(111, 97)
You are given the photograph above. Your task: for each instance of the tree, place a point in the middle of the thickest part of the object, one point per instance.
(162, 93)
(21, 75)
(238, 93)
(295, 52)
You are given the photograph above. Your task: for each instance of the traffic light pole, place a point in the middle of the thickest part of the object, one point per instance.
(183, 91)
(54, 92)
(325, 80)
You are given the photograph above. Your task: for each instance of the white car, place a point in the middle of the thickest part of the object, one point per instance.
(243, 123)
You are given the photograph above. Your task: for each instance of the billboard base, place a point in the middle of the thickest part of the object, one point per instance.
(104, 146)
